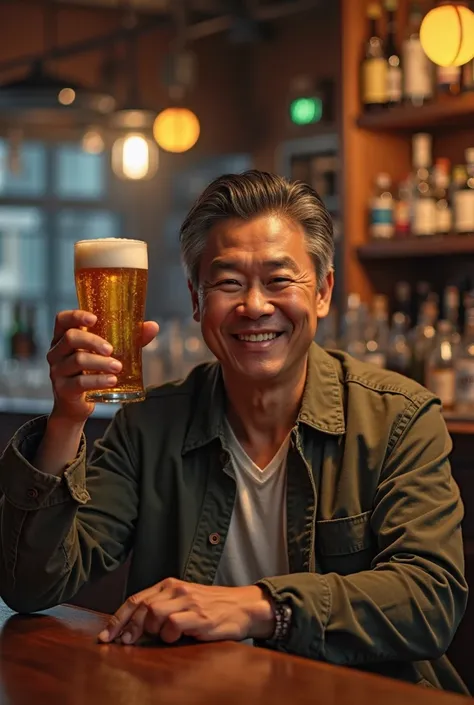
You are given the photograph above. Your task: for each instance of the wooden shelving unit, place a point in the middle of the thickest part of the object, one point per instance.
(448, 246)
(446, 114)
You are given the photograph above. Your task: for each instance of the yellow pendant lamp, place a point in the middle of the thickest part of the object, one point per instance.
(447, 33)
(176, 129)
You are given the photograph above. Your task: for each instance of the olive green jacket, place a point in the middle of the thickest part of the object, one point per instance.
(373, 515)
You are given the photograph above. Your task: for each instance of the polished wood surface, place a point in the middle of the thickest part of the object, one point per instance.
(442, 114)
(53, 658)
(449, 245)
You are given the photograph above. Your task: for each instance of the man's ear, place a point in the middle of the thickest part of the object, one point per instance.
(195, 302)
(324, 295)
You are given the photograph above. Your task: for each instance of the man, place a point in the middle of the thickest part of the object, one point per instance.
(289, 495)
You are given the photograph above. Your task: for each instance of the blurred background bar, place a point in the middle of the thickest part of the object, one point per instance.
(115, 114)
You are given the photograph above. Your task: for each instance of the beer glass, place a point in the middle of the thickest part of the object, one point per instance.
(111, 277)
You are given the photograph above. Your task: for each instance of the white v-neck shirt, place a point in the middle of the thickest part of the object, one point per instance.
(256, 545)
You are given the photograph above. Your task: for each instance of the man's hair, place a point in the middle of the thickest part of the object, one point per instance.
(249, 195)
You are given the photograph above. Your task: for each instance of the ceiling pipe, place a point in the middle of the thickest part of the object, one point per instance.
(200, 30)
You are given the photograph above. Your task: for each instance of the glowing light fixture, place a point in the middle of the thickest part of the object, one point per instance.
(176, 129)
(134, 157)
(447, 33)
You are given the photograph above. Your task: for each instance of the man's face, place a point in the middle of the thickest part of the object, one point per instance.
(259, 300)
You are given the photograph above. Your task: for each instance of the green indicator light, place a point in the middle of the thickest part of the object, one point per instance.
(306, 111)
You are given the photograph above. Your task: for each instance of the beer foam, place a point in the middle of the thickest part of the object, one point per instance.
(112, 252)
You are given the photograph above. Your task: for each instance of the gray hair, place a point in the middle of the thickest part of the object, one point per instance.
(251, 194)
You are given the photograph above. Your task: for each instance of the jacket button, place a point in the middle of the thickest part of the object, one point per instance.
(214, 539)
(32, 493)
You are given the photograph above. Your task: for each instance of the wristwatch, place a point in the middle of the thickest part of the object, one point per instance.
(283, 617)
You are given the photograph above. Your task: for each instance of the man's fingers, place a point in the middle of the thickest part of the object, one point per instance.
(150, 331)
(179, 623)
(81, 360)
(72, 319)
(76, 339)
(135, 626)
(76, 386)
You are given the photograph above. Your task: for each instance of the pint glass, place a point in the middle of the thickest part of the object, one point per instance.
(111, 277)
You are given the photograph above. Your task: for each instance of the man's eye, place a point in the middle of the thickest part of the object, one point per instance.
(280, 280)
(227, 283)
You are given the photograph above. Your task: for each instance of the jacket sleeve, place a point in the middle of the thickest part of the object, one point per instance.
(409, 604)
(55, 533)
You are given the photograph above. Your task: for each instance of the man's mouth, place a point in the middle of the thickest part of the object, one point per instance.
(256, 337)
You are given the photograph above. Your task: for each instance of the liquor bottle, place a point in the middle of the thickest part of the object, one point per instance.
(377, 336)
(417, 68)
(402, 303)
(451, 301)
(394, 63)
(463, 195)
(422, 340)
(353, 328)
(448, 80)
(399, 352)
(424, 205)
(440, 378)
(19, 341)
(444, 214)
(402, 209)
(464, 367)
(422, 294)
(374, 64)
(381, 224)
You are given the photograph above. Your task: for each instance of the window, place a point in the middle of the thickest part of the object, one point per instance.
(53, 195)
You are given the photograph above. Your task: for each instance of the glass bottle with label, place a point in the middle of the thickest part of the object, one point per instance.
(424, 204)
(463, 196)
(381, 225)
(464, 368)
(374, 64)
(402, 209)
(441, 364)
(417, 68)
(394, 62)
(444, 215)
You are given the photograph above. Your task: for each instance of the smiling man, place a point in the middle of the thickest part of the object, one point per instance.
(285, 494)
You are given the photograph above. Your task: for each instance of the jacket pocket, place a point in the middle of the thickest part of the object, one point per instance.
(345, 545)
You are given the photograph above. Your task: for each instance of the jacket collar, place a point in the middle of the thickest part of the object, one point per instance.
(321, 407)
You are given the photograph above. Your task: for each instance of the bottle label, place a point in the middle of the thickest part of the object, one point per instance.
(381, 218)
(394, 84)
(442, 384)
(374, 81)
(424, 216)
(464, 211)
(444, 220)
(465, 381)
(418, 79)
(402, 217)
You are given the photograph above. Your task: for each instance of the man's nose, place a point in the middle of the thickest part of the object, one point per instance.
(256, 303)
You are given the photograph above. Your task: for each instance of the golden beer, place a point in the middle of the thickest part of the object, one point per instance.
(111, 277)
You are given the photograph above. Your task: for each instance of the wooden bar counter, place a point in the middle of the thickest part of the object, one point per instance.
(53, 658)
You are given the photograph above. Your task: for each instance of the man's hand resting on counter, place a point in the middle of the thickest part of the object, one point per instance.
(173, 608)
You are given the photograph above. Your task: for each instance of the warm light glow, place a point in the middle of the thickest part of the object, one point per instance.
(66, 96)
(93, 142)
(134, 157)
(447, 35)
(176, 129)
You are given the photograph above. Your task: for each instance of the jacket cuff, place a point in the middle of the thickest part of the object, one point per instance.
(29, 489)
(309, 596)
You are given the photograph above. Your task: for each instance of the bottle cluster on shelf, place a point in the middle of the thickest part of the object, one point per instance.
(434, 198)
(427, 337)
(393, 73)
